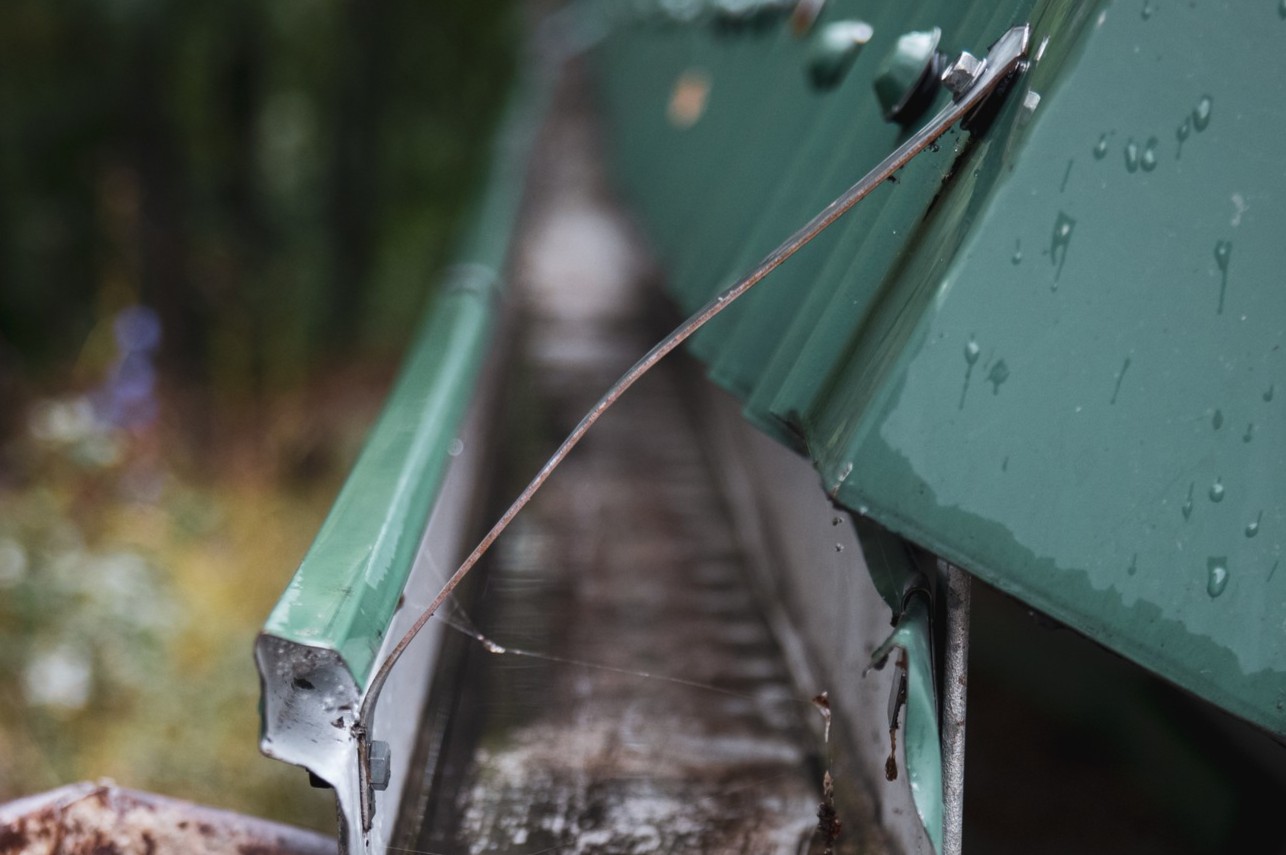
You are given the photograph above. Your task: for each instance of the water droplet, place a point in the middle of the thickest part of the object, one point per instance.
(1062, 238)
(1223, 254)
(1100, 148)
(1268, 396)
(1134, 564)
(836, 520)
(1181, 134)
(823, 704)
(1240, 208)
(1149, 159)
(1249, 434)
(1187, 505)
(1223, 251)
(1252, 528)
(934, 147)
(1120, 376)
(839, 547)
(1217, 421)
(1201, 113)
(845, 471)
(1147, 9)
(1216, 491)
(971, 353)
(1131, 156)
(998, 374)
(1017, 257)
(1217, 578)
(1281, 10)
(1004, 464)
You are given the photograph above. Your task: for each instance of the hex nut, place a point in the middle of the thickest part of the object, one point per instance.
(962, 73)
(381, 759)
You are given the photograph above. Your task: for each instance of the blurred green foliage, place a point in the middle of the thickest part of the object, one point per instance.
(278, 180)
(128, 601)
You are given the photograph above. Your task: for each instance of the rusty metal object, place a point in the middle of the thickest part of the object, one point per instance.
(103, 819)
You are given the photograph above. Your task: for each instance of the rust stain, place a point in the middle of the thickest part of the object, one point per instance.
(100, 819)
(891, 764)
(99, 846)
(13, 838)
(688, 99)
(829, 825)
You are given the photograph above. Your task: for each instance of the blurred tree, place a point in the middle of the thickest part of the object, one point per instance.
(279, 181)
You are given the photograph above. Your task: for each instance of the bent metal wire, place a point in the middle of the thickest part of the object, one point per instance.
(1005, 58)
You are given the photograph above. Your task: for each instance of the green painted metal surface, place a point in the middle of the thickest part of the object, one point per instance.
(1052, 353)
(1104, 441)
(923, 750)
(346, 589)
(904, 588)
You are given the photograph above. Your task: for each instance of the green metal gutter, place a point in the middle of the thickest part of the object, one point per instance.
(346, 589)
(319, 648)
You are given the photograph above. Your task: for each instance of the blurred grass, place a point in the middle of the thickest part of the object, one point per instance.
(149, 582)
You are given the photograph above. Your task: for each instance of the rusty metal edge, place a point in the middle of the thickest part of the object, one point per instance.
(104, 819)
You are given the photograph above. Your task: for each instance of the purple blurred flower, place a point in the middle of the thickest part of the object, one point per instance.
(127, 397)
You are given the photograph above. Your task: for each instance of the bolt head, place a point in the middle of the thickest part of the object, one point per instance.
(961, 74)
(381, 758)
(902, 75)
(834, 49)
